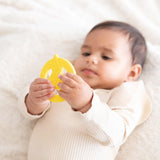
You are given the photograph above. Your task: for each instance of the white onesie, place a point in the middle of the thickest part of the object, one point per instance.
(63, 134)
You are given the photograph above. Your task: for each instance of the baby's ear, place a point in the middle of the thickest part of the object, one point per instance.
(134, 72)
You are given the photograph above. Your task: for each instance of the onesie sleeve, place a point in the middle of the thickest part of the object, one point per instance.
(22, 107)
(112, 122)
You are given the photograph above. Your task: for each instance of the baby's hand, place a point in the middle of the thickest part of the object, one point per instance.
(41, 90)
(75, 91)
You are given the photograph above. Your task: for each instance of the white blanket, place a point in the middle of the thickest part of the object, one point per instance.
(32, 31)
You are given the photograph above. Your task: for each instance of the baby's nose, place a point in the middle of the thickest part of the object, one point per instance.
(93, 60)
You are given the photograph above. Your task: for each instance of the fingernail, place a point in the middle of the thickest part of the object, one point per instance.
(49, 82)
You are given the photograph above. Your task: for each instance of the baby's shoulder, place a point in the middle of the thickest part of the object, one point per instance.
(127, 92)
(130, 88)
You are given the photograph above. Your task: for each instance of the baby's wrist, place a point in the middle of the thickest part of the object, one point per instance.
(33, 108)
(85, 107)
(29, 105)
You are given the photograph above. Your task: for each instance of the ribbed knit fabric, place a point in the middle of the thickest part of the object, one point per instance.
(63, 134)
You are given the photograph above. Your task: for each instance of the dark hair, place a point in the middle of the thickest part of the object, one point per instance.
(136, 40)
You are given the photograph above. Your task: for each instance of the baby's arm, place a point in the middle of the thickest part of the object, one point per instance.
(108, 123)
(37, 100)
(101, 122)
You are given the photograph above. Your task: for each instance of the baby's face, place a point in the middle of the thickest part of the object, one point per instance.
(105, 59)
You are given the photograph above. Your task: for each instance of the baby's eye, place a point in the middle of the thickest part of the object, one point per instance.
(106, 57)
(86, 54)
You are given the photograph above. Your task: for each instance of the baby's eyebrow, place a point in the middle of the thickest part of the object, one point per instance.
(103, 48)
(85, 46)
(108, 50)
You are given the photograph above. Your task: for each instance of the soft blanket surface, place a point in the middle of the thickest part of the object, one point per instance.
(32, 31)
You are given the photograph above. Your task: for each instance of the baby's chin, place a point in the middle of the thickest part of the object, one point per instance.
(100, 86)
(91, 83)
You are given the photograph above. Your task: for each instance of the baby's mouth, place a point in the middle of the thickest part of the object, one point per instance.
(89, 72)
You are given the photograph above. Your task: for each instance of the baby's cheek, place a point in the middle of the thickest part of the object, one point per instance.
(77, 66)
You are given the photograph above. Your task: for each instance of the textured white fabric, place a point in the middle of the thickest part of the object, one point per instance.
(62, 133)
(31, 31)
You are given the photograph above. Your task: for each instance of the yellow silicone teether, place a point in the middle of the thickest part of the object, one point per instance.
(56, 66)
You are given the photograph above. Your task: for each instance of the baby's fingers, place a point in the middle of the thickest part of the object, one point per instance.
(68, 81)
(74, 77)
(40, 87)
(62, 94)
(65, 88)
(44, 98)
(43, 93)
(41, 81)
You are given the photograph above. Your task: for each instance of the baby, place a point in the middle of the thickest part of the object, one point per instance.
(104, 100)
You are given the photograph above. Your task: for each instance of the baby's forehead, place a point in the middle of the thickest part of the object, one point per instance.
(110, 36)
(107, 41)
(106, 31)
